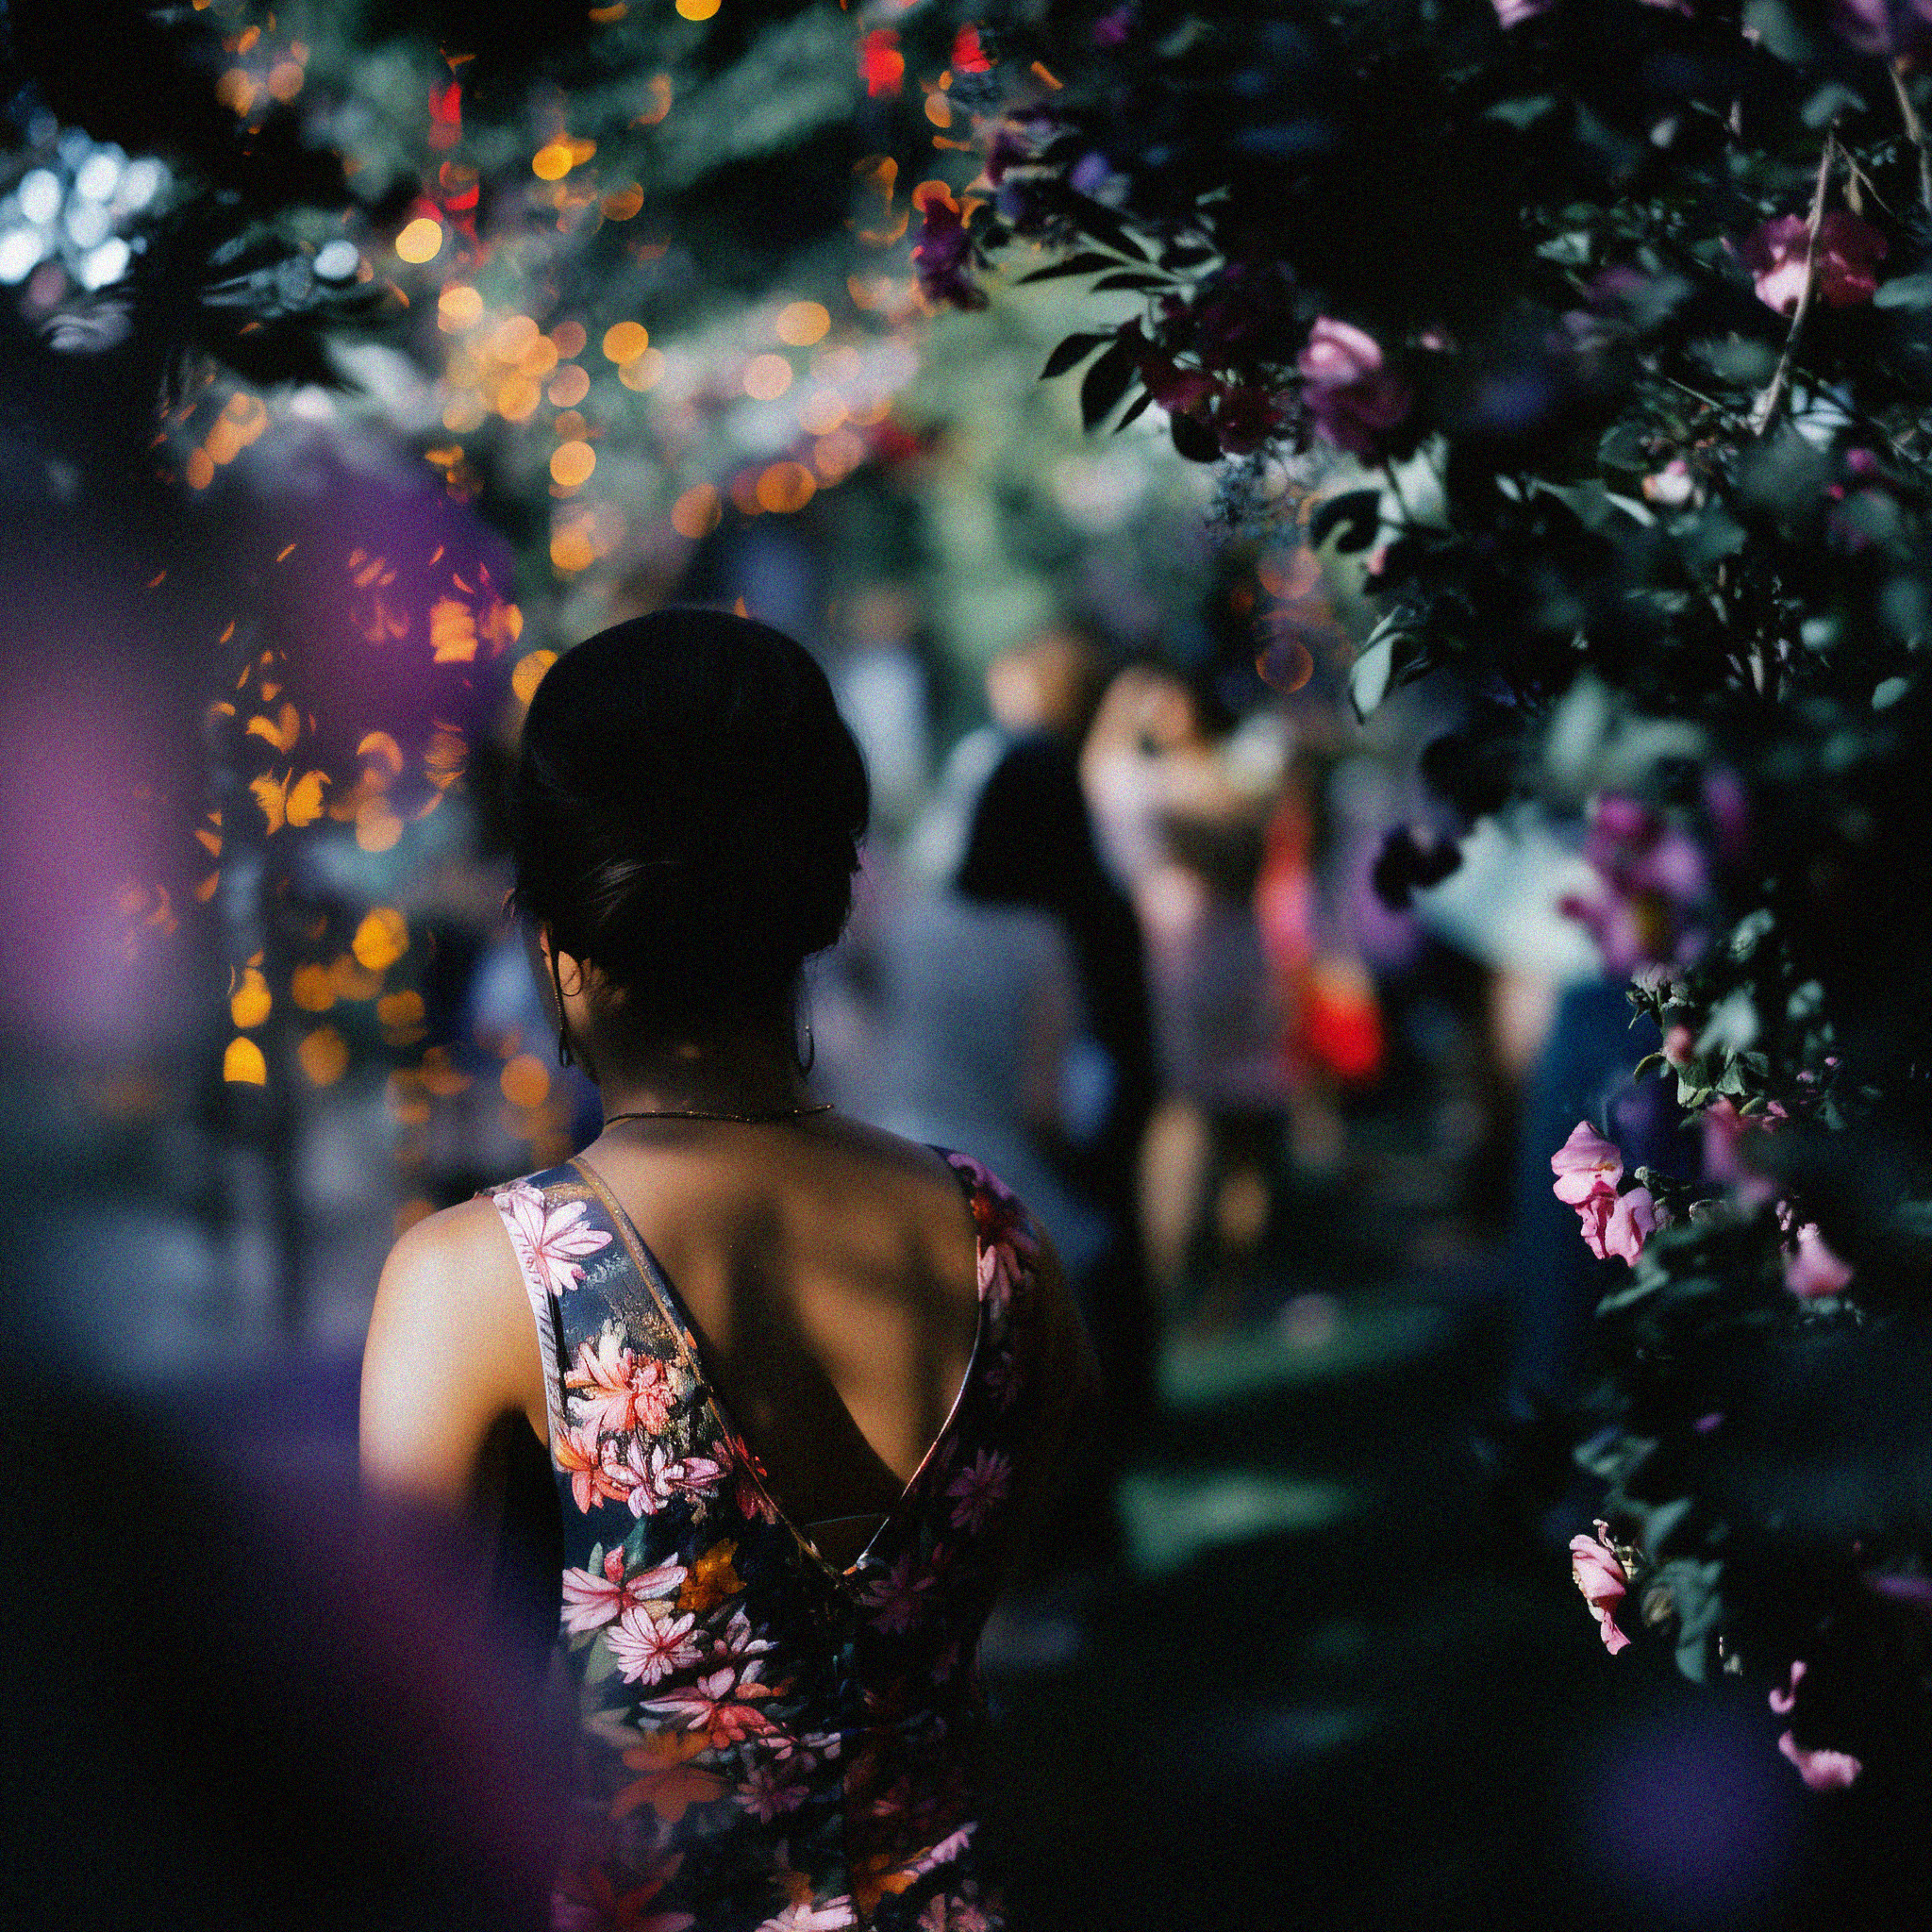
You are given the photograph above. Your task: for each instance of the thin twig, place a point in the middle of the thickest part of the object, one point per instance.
(1915, 132)
(1775, 390)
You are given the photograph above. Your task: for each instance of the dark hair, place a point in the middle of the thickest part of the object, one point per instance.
(686, 812)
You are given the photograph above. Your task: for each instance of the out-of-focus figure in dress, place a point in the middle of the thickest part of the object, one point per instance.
(1180, 809)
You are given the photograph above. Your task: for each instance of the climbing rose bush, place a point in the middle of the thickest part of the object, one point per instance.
(1592, 339)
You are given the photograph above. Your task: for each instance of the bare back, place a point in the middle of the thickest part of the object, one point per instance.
(829, 1271)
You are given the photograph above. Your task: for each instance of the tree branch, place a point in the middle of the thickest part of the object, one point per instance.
(1915, 132)
(1771, 401)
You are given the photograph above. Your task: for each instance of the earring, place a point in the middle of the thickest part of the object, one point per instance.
(565, 1056)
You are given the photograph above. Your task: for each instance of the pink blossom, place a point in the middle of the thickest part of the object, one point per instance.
(1847, 255)
(1725, 1133)
(548, 1241)
(590, 1601)
(1632, 1221)
(895, 1596)
(1354, 399)
(720, 1705)
(1584, 1165)
(1680, 1045)
(832, 1916)
(1823, 1770)
(649, 1645)
(627, 1390)
(736, 1642)
(1514, 12)
(765, 1793)
(1813, 1269)
(980, 1488)
(656, 1476)
(1673, 486)
(1602, 1579)
(1596, 1212)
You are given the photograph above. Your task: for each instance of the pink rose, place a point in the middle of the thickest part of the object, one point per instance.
(1823, 1770)
(1849, 250)
(1725, 1131)
(1354, 399)
(1814, 1270)
(1632, 1221)
(1584, 1165)
(1602, 1580)
(1596, 1212)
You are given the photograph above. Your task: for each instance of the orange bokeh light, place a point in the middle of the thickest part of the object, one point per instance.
(571, 464)
(696, 512)
(767, 378)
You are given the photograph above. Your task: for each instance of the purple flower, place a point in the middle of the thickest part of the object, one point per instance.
(943, 253)
(1355, 400)
(1884, 26)
(1848, 253)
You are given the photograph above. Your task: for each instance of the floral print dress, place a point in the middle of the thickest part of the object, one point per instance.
(766, 1743)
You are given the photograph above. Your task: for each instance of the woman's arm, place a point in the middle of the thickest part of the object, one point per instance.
(452, 1349)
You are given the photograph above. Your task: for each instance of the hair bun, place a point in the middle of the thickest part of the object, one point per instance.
(687, 811)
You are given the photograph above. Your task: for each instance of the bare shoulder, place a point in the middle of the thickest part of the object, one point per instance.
(452, 1347)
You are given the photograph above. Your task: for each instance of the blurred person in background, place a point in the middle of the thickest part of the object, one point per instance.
(790, 1485)
(1180, 802)
(1015, 1018)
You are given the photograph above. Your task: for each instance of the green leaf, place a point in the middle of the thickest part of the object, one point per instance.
(1083, 264)
(1194, 439)
(1105, 384)
(1076, 348)
(1133, 410)
(1905, 291)
(1352, 519)
(1522, 113)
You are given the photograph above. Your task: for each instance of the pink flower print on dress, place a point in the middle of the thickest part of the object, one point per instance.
(895, 1596)
(547, 1241)
(719, 1704)
(1602, 1578)
(657, 1476)
(592, 1478)
(590, 1601)
(735, 1642)
(981, 1488)
(766, 1793)
(1812, 1269)
(1584, 1165)
(952, 1915)
(586, 1901)
(1003, 1376)
(649, 1645)
(623, 1391)
(833, 1915)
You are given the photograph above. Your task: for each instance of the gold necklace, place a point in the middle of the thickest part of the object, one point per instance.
(699, 1113)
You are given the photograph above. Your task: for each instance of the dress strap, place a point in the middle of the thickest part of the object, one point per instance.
(549, 1241)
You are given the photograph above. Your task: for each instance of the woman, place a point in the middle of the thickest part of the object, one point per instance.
(788, 1484)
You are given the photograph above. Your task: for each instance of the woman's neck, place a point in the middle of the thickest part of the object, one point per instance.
(748, 1070)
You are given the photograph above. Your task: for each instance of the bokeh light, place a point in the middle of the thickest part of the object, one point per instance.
(421, 241)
